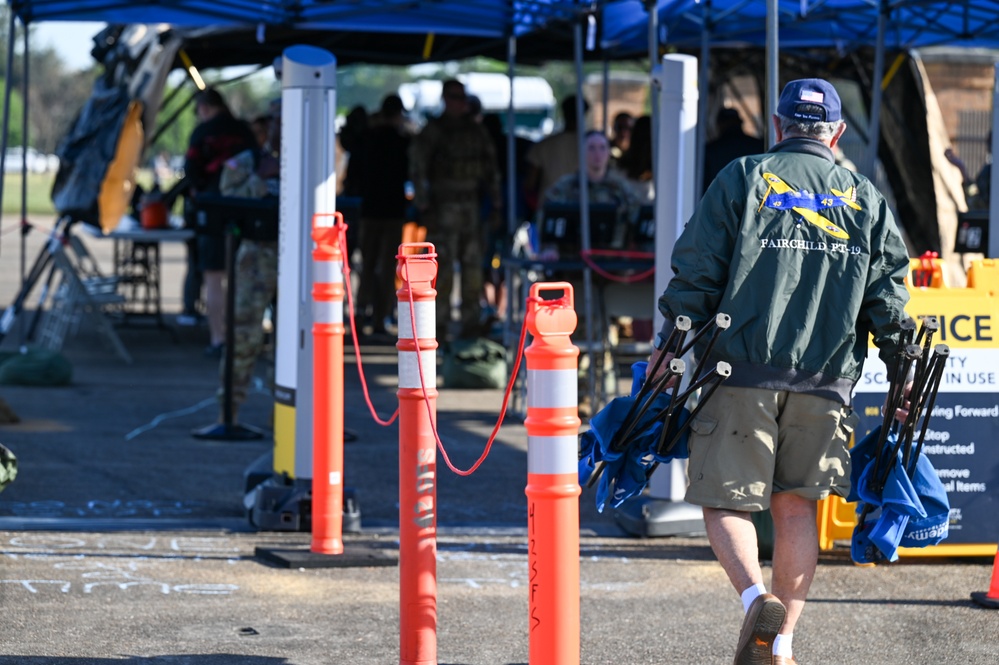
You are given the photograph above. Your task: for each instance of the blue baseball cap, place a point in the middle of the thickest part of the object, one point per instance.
(811, 100)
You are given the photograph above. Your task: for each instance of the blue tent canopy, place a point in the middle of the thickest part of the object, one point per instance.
(175, 12)
(484, 18)
(841, 24)
(255, 31)
(488, 18)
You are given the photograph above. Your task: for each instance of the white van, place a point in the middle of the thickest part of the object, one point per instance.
(533, 99)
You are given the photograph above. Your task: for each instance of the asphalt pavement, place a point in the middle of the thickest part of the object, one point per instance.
(125, 540)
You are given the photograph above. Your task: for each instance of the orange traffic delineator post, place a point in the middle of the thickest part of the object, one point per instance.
(327, 385)
(552, 478)
(327, 549)
(417, 393)
(990, 598)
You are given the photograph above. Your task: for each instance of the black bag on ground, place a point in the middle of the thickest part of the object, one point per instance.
(474, 363)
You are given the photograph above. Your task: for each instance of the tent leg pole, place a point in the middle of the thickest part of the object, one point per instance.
(651, 8)
(605, 97)
(6, 98)
(24, 163)
(511, 191)
(874, 129)
(993, 248)
(773, 69)
(584, 213)
(703, 76)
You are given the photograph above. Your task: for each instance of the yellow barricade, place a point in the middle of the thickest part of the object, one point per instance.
(962, 440)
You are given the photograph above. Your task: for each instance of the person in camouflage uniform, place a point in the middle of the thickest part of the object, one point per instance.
(453, 166)
(603, 185)
(251, 174)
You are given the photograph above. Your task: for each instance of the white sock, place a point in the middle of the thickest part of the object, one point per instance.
(751, 594)
(782, 644)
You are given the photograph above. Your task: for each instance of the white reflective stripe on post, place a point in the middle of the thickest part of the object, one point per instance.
(327, 272)
(426, 320)
(552, 454)
(409, 370)
(327, 311)
(552, 388)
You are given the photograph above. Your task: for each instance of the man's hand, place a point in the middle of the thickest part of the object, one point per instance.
(902, 412)
(663, 366)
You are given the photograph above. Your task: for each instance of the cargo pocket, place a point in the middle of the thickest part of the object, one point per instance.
(699, 446)
(703, 425)
(848, 426)
(838, 456)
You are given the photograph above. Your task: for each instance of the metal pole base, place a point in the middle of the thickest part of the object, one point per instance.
(982, 598)
(647, 517)
(228, 432)
(353, 556)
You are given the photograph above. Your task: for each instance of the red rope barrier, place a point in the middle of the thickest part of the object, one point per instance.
(588, 256)
(503, 407)
(342, 240)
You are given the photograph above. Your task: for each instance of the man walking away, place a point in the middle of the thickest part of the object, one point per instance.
(806, 258)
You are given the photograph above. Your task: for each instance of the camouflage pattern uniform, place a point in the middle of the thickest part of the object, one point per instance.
(256, 282)
(612, 189)
(616, 190)
(453, 162)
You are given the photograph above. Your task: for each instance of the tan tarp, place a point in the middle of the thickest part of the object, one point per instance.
(947, 183)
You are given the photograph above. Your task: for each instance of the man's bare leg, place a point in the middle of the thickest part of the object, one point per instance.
(796, 552)
(733, 538)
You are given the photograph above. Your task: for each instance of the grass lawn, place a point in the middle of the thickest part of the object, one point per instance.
(38, 194)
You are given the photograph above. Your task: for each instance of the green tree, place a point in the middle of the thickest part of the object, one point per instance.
(60, 92)
(55, 94)
(174, 122)
(14, 134)
(367, 85)
(247, 98)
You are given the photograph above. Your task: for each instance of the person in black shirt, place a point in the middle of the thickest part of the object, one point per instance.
(730, 143)
(218, 136)
(384, 172)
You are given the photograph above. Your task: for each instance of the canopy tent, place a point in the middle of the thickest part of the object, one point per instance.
(844, 28)
(243, 31)
(177, 12)
(841, 24)
(350, 28)
(238, 32)
(482, 18)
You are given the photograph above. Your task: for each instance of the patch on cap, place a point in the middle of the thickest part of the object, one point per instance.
(811, 100)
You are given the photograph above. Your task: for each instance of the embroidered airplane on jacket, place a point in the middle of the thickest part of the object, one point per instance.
(780, 196)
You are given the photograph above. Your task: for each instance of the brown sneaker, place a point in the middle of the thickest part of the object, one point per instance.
(759, 628)
(784, 660)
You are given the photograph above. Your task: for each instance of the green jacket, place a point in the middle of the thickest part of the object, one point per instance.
(805, 257)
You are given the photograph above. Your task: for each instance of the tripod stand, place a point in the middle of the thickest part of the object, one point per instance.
(228, 429)
(254, 219)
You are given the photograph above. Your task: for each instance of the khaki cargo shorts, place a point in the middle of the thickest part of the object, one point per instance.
(747, 443)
